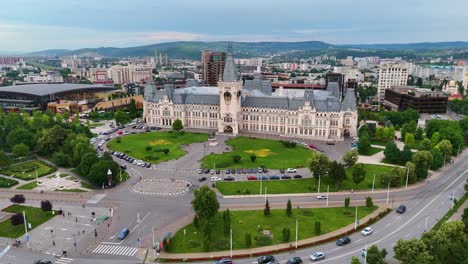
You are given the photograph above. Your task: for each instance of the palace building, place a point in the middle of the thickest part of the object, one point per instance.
(234, 107)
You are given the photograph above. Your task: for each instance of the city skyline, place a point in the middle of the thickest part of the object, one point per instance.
(87, 24)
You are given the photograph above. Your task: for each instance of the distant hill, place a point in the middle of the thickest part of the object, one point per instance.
(191, 49)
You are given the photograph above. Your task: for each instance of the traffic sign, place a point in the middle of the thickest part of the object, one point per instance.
(27, 237)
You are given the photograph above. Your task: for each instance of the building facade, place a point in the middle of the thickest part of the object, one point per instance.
(400, 98)
(391, 74)
(233, 108)
(213, 65)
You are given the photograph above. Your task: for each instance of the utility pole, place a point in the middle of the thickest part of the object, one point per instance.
(388, 191)
(355, 219)
(458, 153)
(407, 176)
(318, 189)
(328, 189)
(26, 228)
(297, 230)
(230, 239)
(261, 180)
(373, 184)
(425, 225)
(154, 245)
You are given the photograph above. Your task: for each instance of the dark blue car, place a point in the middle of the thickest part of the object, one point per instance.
(123, 234)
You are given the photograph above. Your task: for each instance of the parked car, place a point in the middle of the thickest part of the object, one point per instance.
(148, 165)
(206, 171)
(265, 170)
(202, 179)
(215, 179)
(123, 167)
(251, 178)
(281, 171)
(260, 170)
(212, 172)
(312, 146)
(321, 197)
(297, 176)
(291, 170)
(218, 171)
(43, 262)
(274, 177)
(330, 142)
(294, 260)
(199, 171)
(367, 231)
(249, 170)
(401, 209)
(343, 241)
(239, 171)
(265, 259)
(224, 261)
(233, 171)
(227, 171)
(123, 234)
(262, 178)
(244, 171)
(286, 177)
(317, 256)
(229, 178)
(254, 171)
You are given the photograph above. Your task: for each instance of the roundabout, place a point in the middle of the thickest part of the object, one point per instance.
(162, 187)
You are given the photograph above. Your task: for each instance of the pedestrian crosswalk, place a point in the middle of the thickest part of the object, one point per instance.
(115, 250)
(63, 260)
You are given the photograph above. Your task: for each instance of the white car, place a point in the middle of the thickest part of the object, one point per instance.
(215, 179)
(317, 256)
(291, 170)
(367, 231)
(321, 197)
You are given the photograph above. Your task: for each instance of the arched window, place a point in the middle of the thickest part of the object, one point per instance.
(227, 97)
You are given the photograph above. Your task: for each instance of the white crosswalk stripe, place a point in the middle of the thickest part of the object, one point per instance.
(115, 250)
(63, 260)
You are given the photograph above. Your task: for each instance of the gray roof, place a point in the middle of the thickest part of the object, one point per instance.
(349, 101)
(46, 88)
(230, 73)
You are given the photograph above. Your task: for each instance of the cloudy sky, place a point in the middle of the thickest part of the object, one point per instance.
(31, 25)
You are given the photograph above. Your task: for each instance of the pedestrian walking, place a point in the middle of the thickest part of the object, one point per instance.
(76, 219)
(53, 243)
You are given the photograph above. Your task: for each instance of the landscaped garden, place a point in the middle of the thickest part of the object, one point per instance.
(307, 185)
(27, 170)
(256, 224)
(156, 147)
(7, 183)
(35, 216)
(371, 151)
(255, 152)
(28, 186)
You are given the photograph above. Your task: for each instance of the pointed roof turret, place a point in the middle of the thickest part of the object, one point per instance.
(230, 71)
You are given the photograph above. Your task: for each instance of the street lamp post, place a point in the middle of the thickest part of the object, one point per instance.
(318, 189)
(328, 189)
(373, 184)
(261, 180)
(230, 238)
(355, 219)
(26, 228)
(425, 225)
(407, 176)
(57, 176)
(388, 191)
(297, 230)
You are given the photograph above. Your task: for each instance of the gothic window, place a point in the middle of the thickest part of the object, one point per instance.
(347, 121)
(228, 119)
(227, 97)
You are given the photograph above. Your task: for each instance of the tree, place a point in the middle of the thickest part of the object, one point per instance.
(317, 228)
(406, 154)
(4, 160)
(266, 211)
(205, 204)
(121, 118)
(445, 148)
(350, 157)
(426, 144)
(392, 153)
(379, 133)
(21, 135)
(411, 170)
(418, 135)
(464, 218)
(177, 125)
(369, 202)
(20, 150)
(46, 205)
(359, 173)
(364, 144)
(17, 219)
(132, 109)
(355, 260)
(286, 234)
(346, 202)
(236, 158)
(318, 164)
(412, 251)
(376, 256)
(422, 160)
(18, 198)
(336, 173)
(248, 240)
(289, 208)
(226, 222)
(409, 139)
(437, 158)
(253, 157)
(391, 133)
(98, 172)
(60, 159)
(435, 138)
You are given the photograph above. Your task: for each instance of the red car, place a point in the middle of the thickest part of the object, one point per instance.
(312, 146)
(120, 133)
(251, 178)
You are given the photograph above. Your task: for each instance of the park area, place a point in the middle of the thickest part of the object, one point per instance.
(265, 230)
(307, 185)
(156, 147)
(7, 183)
(27, 170)
(35, 216)
(272, 154)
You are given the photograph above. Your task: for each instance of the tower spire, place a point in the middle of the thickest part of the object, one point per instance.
(230, 72)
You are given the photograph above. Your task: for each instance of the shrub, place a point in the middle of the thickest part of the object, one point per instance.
(289, 144)
(346, 202)
(17, 219)
(263, 240)
(318, 228)
(166, 151)
(196, 223)
(118, 140)
(46, 205)
(266, 211)
(369, 202)
(166, 245)
(236, 158)
(286, 234)
(18, 198)
(248, 240)
(150, 157)
(148, 148)
(253, 158)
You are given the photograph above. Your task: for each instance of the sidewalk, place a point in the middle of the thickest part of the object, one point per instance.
(457, 215)
(272, 248)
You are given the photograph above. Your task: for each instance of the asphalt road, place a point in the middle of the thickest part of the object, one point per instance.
(144, 213)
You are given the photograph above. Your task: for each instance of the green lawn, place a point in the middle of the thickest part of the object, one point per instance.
(87, 186)
(71, 190)
(26, 170)
(372, 151)
(379, 142)
(254, 221)
(270, 153)
(35, 216)
(92, 125)
(28, 186)
(7, 183)
(135, 145)
(307, 185)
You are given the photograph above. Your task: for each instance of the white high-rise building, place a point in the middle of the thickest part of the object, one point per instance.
(391, 74)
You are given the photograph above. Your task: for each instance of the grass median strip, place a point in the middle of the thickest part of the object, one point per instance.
(28, 186)
(35, 216)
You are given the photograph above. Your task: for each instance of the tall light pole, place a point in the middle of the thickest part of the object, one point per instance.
(355, 219)
(318, 189)
(328, 189)
(388, 191)
(230, 238)
(407, 176)
(154, 245)
(373, 184)
(297, 230)
(266, 188)
(458, 153)
(425, 225)
(261, 180)
(26, 228)
(57, 176)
